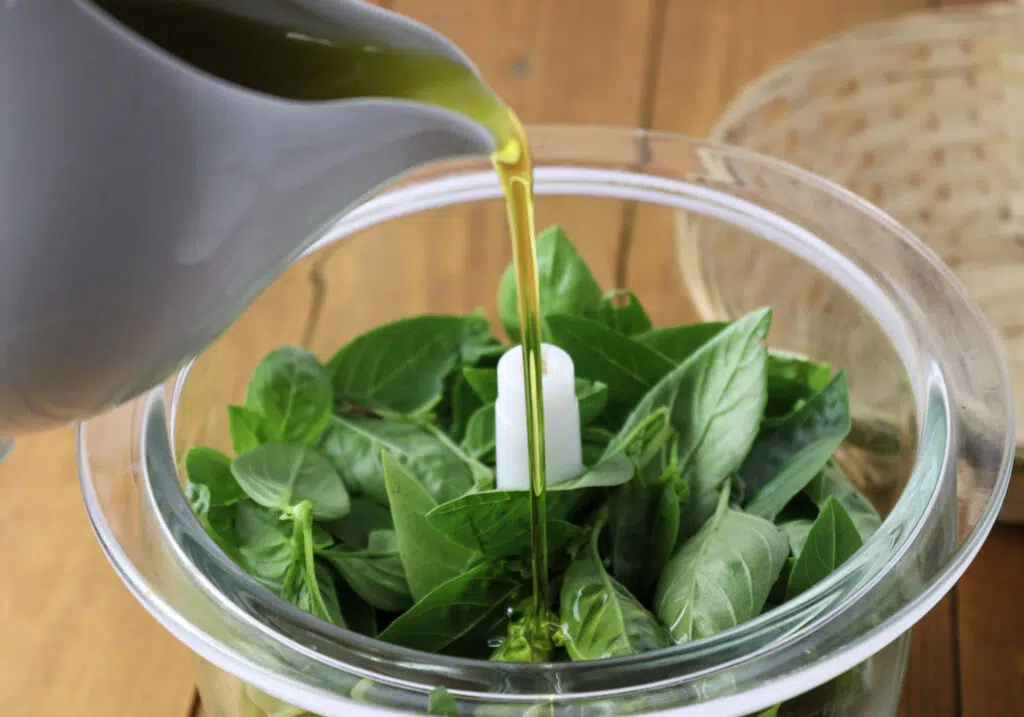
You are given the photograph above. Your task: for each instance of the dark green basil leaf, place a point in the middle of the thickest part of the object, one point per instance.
(777, 596)
(592, 397)
(831, 483)
(479, 439)
(327, 606)
(832, 539)
(464, 608)
(293, 394)
(218, 522)
(600, 618)
(678, 343)
(622, 311)
(281, 475)
(784, 459)
(715, 401)
(247, 429)
(628, 368)
(264, 542)
(644, 526)
(354, 445)
(458, 405)
(359, 615)
(441, 702)
(722, 575)
(399, 369)
(483, 381)
(212, 469)
(367, 516)
(496, 523)
(376, 572)
(791, 379)
(429, 556)
(772, 711)
(565, 282)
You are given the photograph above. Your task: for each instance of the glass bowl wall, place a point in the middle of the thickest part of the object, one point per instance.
(931, 445)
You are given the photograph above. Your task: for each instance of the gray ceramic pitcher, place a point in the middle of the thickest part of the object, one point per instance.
(144, 204)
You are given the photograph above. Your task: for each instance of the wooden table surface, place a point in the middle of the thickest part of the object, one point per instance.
(73, 641)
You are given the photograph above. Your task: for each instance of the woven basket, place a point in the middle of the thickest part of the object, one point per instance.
(924, 117)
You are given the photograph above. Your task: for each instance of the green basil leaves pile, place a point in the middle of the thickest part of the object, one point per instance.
(362, 490)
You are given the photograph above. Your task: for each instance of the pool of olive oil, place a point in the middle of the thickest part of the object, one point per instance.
(224, 38)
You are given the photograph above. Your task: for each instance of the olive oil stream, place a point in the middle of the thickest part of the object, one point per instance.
(224, 38)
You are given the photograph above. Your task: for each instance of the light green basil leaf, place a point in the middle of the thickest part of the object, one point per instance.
(479, 439)
(831, 483)
(246, 428)
(772, 711)
(281, 475)
(429, 556)
(354, 445)
(376, 573)
(523, 643)
(832, 539)
(721, 576)
(628, 368)
(592, 397)
(326, 606)
(622, 311)
(565, 282)
(796, 532)
(442, 702)
(399, 369)
(293, 394)
(212, 469)
(465, 608)
(264, 542)
(715, 401)
(600, 618)
(678, 343)
(644, 525)
(784, 459)
(217, 521)
(483, 381)
(496, 523)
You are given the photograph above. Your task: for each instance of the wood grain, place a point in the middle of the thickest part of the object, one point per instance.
(73, 641)
(991, 627)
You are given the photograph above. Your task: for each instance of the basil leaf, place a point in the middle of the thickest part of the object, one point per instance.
(399, 369)
(722, 575)
(784, 460)
(218, 521)
(376, 573)
(796, 532)
(496, 523)
(772, 711)
(264, 543)
(792, 378)
(430, 558)
(354, 445)
(282, 475)
(644, 526)
(565, 282)
(592, 397)
(600, 618)
(831, 483)
(715, 400)
(441, 702)
(212, 469)
(832, 539)
(678, 343)
(365, 518)
(628, 318)
(326, 606)
(246, 428)
(464, 608)
(483, 381)
(628, 368)
(479, 439)
(292, 392)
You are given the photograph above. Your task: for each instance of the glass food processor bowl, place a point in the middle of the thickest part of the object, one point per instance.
(931, 444)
